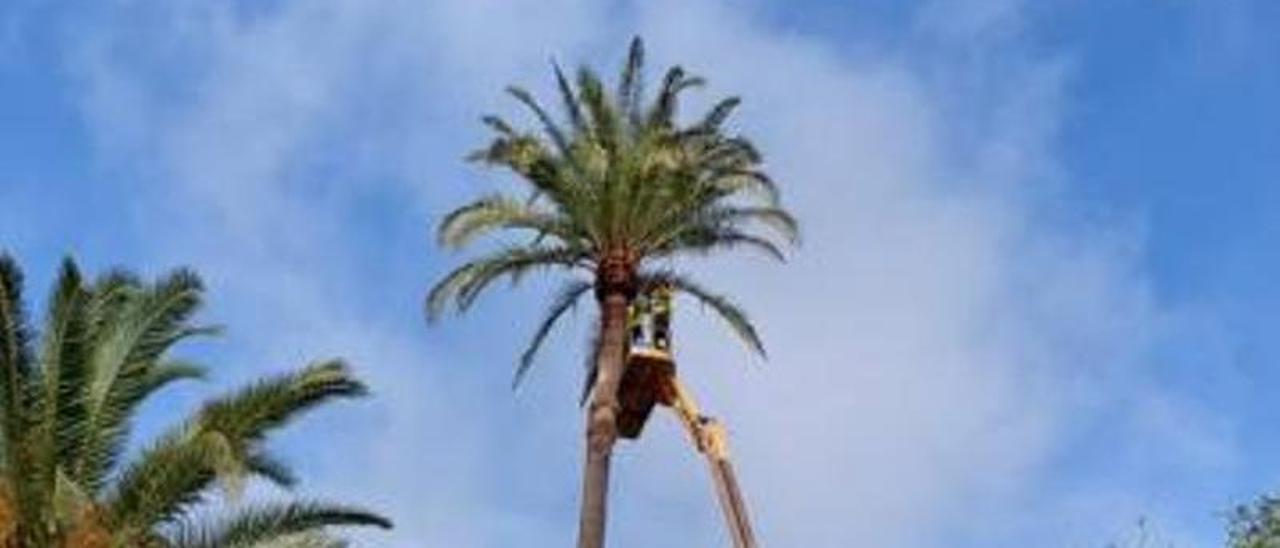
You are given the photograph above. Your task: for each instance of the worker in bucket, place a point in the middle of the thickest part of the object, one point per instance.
(637, 316)
(660, 308)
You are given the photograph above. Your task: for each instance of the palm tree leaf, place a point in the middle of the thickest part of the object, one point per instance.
(265, 524)
(731, 313)
(271, 468)
(721, 228)
(250, 413)
(19, 408)
(704, 240)
(221, 442)
(145, 325)
(109, 295)
(667, 107)
(465, 283)
(494, 212)
(631, 82)
(499, 125)
(514, 266)
(604, 119)
(718, 114)
(565, 300)
(16, 370)
(571, 107)
(170, 371)
(63, 359)
(165, 481)
(549, 125)
(731, 181)
(662, 113)
(776, 218)
(529, 158)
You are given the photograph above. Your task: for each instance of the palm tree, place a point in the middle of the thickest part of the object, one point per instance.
(67, 401)
(618, 189)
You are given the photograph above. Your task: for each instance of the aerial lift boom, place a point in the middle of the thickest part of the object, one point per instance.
(649, 379)
(710, 438)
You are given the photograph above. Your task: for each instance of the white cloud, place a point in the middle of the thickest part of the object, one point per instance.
(942, 336)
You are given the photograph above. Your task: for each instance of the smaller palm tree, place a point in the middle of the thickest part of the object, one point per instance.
(67, 400)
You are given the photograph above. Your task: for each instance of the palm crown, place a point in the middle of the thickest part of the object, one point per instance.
(617, 189)
(67, 402)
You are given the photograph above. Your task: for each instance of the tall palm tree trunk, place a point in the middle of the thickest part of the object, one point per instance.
(602, 426)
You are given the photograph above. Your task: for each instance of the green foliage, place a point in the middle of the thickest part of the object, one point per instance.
(66, 412)
(289, 524)
(1256, 525)
(618, 185)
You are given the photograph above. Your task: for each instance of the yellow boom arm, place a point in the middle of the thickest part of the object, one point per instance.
(710, 438)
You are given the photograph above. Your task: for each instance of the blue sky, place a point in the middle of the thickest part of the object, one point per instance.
(1034, 302)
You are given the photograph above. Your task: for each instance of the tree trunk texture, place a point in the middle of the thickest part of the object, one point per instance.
(602, 426)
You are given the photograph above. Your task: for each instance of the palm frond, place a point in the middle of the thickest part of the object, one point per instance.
(247, 415)
(717, 115)
(665, 108)
(222, 442)
(604, 118)
(109, 295)
(63, 370)
(530, 158)
(166, 372)
(704, 240)
(731, 313)
(662, 113)
(719, 228)
(499, 125)
(160, 319)
(468, 281)
(16, 369)
(264, 525)
(463, 225)
(779, 220)
(144, 325)
(549, 125)
(271, 468)
(631, 82)
(18, 409)
(167, 480)
(722, 152)
(572, 109)
(729, 181)
(565, 300)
